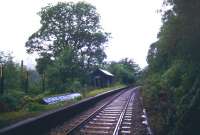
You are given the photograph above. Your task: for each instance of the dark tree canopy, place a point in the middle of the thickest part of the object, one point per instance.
(70, 25)
(174, 68)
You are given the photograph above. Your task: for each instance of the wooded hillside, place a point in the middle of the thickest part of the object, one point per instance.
(172, 79)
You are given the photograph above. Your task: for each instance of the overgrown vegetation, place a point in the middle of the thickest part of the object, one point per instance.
(172, 85)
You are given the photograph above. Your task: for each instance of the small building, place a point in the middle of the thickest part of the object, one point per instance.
(102, 78)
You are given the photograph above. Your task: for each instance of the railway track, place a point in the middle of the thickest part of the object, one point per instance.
(113, 118)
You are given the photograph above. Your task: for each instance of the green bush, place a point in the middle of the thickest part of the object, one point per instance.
(32, 103)
(33, 106)
(16, 93)
(8, 103)
(75, 86)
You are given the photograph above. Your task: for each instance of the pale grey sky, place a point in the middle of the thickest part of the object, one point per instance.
(134, 25)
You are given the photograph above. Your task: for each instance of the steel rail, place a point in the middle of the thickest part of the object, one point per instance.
(79, 125)
(119, 122)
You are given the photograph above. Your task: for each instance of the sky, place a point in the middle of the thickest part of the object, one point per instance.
(133, 25)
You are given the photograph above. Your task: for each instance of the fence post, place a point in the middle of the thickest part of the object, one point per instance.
(26, 82)
(22, 75)
(1, 80)
(43, 81)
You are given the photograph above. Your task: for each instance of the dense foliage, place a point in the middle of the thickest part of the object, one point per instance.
(126, 71)
(172, 79)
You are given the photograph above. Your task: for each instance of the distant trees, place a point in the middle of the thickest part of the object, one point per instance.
(126, 71)
(15, 76)
(10, 72)
(16, 81)
(70, 42)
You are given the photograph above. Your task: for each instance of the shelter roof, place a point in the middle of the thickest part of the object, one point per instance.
(106, 72)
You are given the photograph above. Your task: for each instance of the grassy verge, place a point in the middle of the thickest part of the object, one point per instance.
(102, 90)
(35, 109)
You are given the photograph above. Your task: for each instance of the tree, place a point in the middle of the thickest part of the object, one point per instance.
(70, 25)
(43, 62)
(125, 70)
(64, 71)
